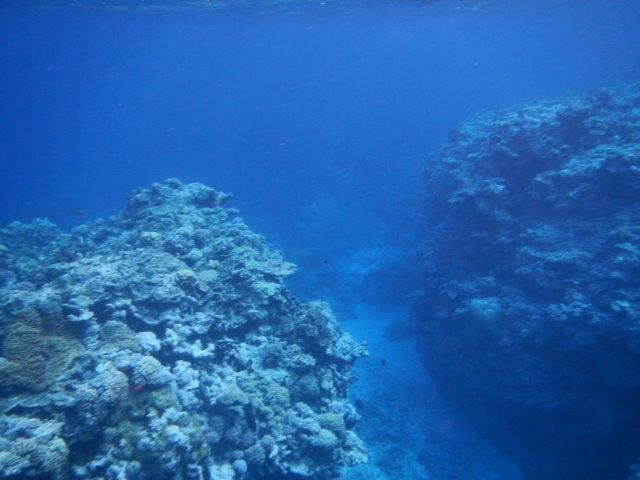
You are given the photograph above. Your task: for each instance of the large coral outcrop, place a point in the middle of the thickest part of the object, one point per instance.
(530, 319)
(161, 343)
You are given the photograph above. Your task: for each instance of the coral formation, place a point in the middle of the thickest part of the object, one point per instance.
(32, 355)
(529, 319)
(161, 343)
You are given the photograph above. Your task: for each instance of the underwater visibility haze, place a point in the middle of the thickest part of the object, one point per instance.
(320, 240)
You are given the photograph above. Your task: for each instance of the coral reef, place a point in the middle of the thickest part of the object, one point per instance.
(161, 343)
(529, 318)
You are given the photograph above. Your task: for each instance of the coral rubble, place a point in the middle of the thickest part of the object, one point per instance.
(530, 319)
(161, 344)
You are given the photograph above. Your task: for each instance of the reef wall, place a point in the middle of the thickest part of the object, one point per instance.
(161, 344)
(530, 314)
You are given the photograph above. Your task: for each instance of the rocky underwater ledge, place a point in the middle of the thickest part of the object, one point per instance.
(530, 314)
(161, 343)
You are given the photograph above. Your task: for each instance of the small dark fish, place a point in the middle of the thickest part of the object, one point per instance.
(325, 261)
(359, 404)
(79, 213)
(384, 362)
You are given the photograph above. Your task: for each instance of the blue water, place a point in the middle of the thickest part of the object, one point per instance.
(318, 118)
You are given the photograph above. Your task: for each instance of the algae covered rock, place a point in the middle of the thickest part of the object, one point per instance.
(161, 343)
(529, 319)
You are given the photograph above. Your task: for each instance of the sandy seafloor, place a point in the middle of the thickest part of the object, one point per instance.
(408, 429)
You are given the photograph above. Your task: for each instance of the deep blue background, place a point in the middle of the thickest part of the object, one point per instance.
(317, 118)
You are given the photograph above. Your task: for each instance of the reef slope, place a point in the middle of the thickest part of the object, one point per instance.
(530, 319)
(161, 343)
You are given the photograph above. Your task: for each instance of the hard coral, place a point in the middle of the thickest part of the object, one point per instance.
(529, 319)
(31, 358)
(190, 352)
